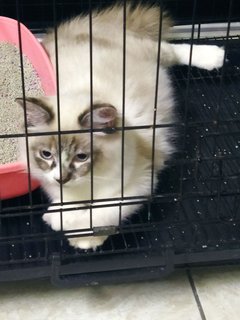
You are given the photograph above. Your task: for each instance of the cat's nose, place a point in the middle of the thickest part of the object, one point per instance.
(64, 179)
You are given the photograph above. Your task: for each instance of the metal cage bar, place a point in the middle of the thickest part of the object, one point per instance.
(195, 211)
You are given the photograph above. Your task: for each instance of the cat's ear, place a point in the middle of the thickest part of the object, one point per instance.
(104, 117)
(38, 112)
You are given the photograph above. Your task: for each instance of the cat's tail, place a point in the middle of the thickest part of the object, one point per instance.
(208, 57)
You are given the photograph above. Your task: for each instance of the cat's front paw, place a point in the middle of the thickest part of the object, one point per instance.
(53, 220)
(87, 242)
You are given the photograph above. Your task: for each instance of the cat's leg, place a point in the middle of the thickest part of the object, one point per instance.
(203, 56)
(101, 217)
(71, 220)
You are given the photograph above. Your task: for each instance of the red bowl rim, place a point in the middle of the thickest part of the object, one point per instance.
(38, 57)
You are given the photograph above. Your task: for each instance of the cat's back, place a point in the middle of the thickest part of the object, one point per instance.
(140, 20)
(106, 53)
(107, 32)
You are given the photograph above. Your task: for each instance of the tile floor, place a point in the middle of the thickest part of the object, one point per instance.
(211, 294)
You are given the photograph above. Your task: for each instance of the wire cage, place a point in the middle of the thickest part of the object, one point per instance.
(194, 216)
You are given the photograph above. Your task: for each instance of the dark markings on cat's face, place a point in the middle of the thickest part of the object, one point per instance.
(75, 157)
(42, 164)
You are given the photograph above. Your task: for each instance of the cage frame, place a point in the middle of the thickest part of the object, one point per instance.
(148, 261)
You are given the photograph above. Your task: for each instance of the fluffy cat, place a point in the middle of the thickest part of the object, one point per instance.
(142, 25)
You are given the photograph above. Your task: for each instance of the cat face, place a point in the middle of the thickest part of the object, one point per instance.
(67, 159)
(74, 154)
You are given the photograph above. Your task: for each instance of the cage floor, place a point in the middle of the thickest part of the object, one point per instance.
(194, 217)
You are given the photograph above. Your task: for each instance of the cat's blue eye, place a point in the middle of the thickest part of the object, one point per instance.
(81, 157)
(45, 154)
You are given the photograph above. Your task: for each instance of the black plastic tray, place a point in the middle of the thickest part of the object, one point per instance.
(194, 219)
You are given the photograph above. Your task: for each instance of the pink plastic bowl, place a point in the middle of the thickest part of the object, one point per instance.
(13, 176)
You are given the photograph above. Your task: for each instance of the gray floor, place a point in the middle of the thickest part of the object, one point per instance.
(211, 294)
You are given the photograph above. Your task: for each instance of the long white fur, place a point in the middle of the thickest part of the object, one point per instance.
(74, 84)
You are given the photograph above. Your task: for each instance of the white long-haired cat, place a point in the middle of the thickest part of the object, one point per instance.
(142, 26)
